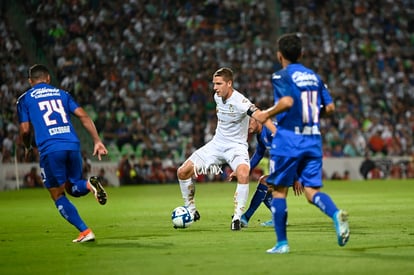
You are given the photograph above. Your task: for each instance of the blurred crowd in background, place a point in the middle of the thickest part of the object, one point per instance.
(143, 70)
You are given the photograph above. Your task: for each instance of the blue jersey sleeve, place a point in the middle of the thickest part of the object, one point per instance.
(326, 96)
(22, 110)
(264, 141)
(280, 90)
(258, 153)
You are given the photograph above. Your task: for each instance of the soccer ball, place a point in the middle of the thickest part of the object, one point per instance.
(181, 217)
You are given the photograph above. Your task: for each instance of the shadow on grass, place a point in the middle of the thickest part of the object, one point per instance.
(127, 243)
(380, 252)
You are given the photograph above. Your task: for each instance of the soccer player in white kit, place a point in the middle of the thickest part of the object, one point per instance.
(229, 145)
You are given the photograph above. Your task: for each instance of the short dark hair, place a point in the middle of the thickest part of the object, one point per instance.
(290, 46)
(38, 71)
(224, 72)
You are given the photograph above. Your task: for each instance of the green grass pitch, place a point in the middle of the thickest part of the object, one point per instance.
(135, 234)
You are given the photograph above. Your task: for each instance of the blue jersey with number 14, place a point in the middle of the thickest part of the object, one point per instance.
(48, 109)
(298, 131)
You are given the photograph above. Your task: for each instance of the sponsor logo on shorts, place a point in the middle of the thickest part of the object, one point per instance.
(211, 170)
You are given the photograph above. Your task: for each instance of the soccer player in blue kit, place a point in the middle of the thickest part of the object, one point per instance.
(296, 148)
(47, 109)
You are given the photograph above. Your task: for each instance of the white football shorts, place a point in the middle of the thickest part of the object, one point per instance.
(214, 153)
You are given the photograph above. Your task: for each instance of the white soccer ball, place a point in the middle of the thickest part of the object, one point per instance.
(181, 217)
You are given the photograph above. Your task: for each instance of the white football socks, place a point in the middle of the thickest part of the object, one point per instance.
(240, 199)
(188, 191)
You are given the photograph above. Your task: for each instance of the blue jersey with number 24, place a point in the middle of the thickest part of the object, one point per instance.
(48, 109)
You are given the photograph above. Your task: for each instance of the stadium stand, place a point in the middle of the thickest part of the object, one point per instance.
(145, 66)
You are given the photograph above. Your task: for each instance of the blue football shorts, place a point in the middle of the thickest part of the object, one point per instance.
(60, 167)
(285, 170)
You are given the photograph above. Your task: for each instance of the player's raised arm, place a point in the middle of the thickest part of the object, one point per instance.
(99, 148)
(284, 104)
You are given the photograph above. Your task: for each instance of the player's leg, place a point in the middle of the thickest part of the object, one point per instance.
(54, 174)
(237, 157)
(196, 164)
(258, 197)
(70, 213)
(282, 174)
(312, 181)
(78, 185)
(241, 195)
(268, 203)
(187, 186)
(279, 219)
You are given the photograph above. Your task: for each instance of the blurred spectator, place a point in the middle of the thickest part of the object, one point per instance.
(376, 144)
(157, 173)
(142, 170)
(397, 170)
(102, 178)
(169, 167)
(336, 176)
(410, 170)
(32, 179)
(375, 173)
(346, 175)
(337, 151)
(366, 167)
(124, 170)
(86, 165)
(8, 147)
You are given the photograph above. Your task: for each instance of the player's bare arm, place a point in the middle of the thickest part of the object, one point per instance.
(25, 133)
(99, 148)
(267, 122)
(27, 137)
(271, 126)
(284, 104)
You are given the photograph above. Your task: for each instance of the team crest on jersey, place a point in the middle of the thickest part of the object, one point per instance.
(231, 108)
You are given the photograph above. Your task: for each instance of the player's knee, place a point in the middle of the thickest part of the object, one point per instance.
(56, 193)
(184, 172)
(309, 193)
(243, 177)
(242, 173)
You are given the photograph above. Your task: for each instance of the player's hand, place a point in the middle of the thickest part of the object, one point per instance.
(262, 179)
(99, 150)
(297, 188)
(232, 176)
(260, 116)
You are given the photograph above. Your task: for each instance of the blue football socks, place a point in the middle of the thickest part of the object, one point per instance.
(325, 204)
(70, 213)
(268, 200)
(279, 215)
(257, 199)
